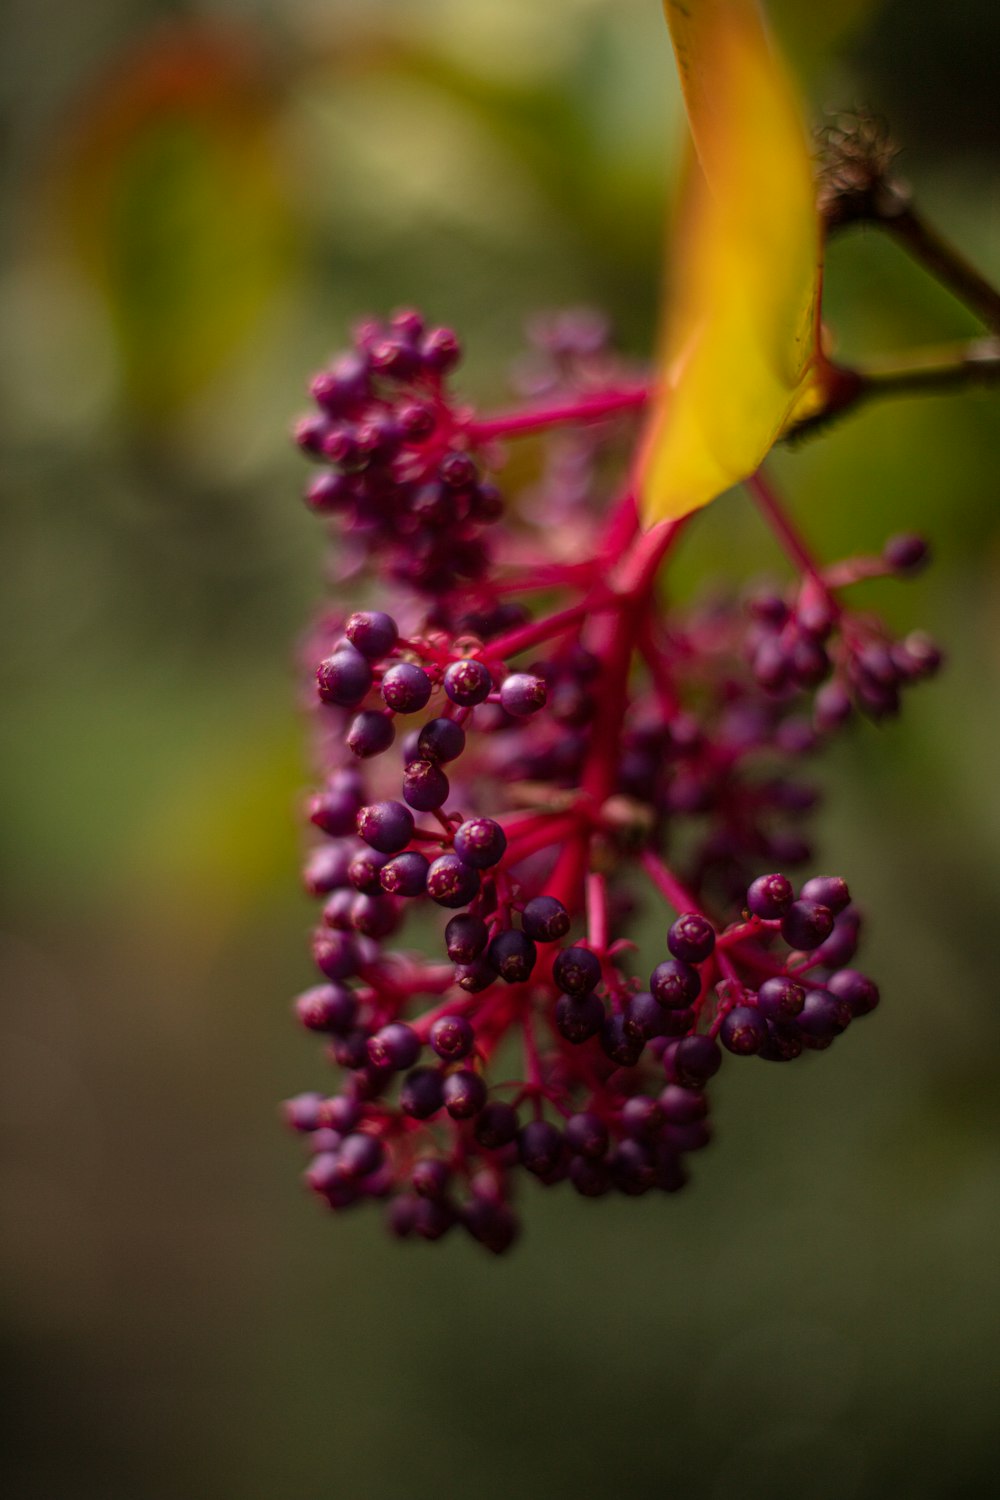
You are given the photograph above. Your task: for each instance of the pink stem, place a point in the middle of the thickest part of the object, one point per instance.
(667, 883)
(584, 409)
(772, 508)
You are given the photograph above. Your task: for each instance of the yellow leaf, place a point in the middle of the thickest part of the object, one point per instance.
(739, 352)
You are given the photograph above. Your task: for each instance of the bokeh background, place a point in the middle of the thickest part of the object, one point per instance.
(198, 199)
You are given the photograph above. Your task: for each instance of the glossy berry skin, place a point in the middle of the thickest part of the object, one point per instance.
(425, 786)
(523, 694)
(359, 1155)
(451, 882)
(770, 896)
(696, 1059)
(806, 924)
(467, 682)
(344, 678)
(743, 1031)
(371, 733)
(579, 1017)
(452, 1037)
(576, 971)
(372, 632)
(422, 1093)
(464, 1094)
(441, 740)
(513, 956)
(780, 999)
(691, 938)
(829, 891)
(644, 1017)
(480, 842)
(386, 826)
(674, 984)
(860, 992)
(465, 938)
(405, 874)
(327, 1007)
(406, 688)
(620, 1044)
(396, 1046)
(545, 919)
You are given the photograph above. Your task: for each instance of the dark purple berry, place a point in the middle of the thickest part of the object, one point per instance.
(396, 1046)
(784, 1043)
(386, 826)
(633, 1167)
(359, 1156)
(372, 633)
(432, 1218)
(806, 924)
(691, 938)
(465, 938)
(365, 871)
(906, 553)
(370, 734)
(430, 1177)
(475, 977)
(780, 999)
(327, 1007)
(522, 694)
(496, 1126)
(829, 891)
(682, 1106)
(696, 1059)
(451, 882)
(576, 971)
(467, 682)
(464, 1094)
(579, 1017)
(644, 1016)
(440, 740)
(480, 842)
(545, 919)
(860, 992)
(540, 1146)
(406, 687)
(823, 1015)
(425, 786)
(641, 1117)
(329, 491)
(405, 874)
(591, 1179)
(422, 1093)
(587, 1134)
(620, 1044)
(743, 1031)
(452, 1037)
(770, 896)
(326, 867)
(675, 984)
(335, 954)
(513, 956)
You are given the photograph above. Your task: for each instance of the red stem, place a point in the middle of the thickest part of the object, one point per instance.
(584, 409)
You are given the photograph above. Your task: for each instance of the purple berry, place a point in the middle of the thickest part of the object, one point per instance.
(906, 553)
(823, 1015)
(522, 694)
(829, 891)
(396, 1046)
(406, 688)
(780, 999)
(576, 971)
(691, 938)
(770, 896)
(860, 992)
(644, 1016)
(425, 786)
(675, 984)
(327, 1007)
(464, 1094)
(513, 956)
(440, 350)
(545, 919)
(440, 740)
(696, 1059)
(579, 1017)
(465, 938)
(359, 1156)
(365, 871)
(405, 874)
(621, 1045)
(496, 1126)
(386, 826)
(587, 1134)
(540, 1146)
(451, 882)
(682, 1106)
(467, 682)
(743, 1031)
(372, 633)
(430, 1177)
(806, 924)
(452, 1037)
(480, 842)
(422, 1093)
(335, 954)
(370, 734)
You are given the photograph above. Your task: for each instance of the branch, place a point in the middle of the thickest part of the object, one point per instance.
(944, 262)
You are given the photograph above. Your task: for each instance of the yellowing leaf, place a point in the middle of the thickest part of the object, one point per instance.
(739, 350)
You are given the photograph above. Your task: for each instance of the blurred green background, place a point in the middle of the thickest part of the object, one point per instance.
(198, 199)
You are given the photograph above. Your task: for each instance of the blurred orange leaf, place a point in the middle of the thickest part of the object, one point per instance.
(174, 198)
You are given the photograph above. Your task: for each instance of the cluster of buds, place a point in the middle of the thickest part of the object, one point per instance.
(523, 753)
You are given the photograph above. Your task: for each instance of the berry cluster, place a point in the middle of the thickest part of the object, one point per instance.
(515, 784)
